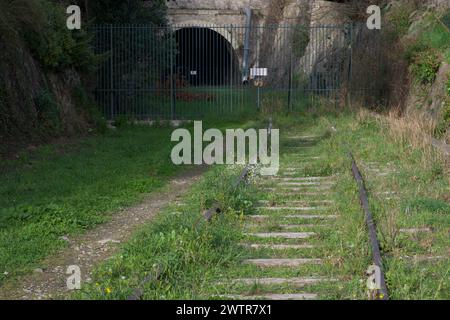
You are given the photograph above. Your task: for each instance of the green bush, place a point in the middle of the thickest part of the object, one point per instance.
(444, 124)
(425, 66)
(86, 104)
(414, 48)
(398, 18)
(300, 41)
(48, 113)
(56, 47)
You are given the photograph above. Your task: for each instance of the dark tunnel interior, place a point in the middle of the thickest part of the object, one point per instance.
(205, 57)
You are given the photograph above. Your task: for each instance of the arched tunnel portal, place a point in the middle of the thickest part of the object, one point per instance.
(205, 57)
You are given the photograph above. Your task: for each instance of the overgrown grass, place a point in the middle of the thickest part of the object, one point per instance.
(420, 187)
(196, 260)
(179, 248)
(70, 187)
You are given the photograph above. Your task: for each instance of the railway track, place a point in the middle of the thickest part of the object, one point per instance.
(284, 235)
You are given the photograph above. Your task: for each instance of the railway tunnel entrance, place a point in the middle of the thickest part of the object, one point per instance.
(205, 58)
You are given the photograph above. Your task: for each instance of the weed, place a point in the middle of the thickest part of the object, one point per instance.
(186, 250)
(425, 66)
(399, 18)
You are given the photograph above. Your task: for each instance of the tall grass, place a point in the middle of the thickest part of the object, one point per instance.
(411, 132)
(180, 250)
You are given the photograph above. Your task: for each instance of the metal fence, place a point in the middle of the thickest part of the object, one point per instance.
(188, 72)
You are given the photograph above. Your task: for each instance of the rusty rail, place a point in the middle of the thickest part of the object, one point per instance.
(376, 254)
(139, 291)
(209, 214)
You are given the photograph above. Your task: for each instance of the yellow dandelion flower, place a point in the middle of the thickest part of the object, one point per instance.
(108, 290)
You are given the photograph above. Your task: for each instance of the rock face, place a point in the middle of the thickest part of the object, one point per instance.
(430, 101)
(286, 51)
(438, 4)
(27, 106)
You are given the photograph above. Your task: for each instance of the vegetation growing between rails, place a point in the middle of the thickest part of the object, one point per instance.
(416, 264)
(198, 260)
(180, 248)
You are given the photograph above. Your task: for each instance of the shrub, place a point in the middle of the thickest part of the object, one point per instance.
(53, 44)
(300, 40)
(425, 66)
(86, 104)
(398, 18)
(48, 113)
(444, 124)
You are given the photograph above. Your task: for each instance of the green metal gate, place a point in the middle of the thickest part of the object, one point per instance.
(193, 72)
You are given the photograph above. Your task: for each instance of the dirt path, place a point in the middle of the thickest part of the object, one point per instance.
(96, 245)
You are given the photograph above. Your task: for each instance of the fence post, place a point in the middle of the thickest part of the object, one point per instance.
(231, 69)
(172, 84)
(111, 71)
(290, 83)
(350, 66)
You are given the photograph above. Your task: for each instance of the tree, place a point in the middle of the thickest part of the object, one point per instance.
(136, 59)
(125, 11)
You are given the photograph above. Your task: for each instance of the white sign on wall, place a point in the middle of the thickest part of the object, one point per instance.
(258, 72)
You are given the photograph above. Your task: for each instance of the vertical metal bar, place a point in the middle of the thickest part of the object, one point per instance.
(112, 72)
(350, 66)
(172, 84)
(231, 69)
(290, 83)
(199, 49)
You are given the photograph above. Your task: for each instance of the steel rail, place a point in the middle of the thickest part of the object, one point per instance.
(376, 254)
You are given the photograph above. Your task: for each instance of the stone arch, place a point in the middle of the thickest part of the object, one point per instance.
(224, 31)
(206, 56)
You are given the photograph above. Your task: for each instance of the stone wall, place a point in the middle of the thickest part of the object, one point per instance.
(270, 47)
